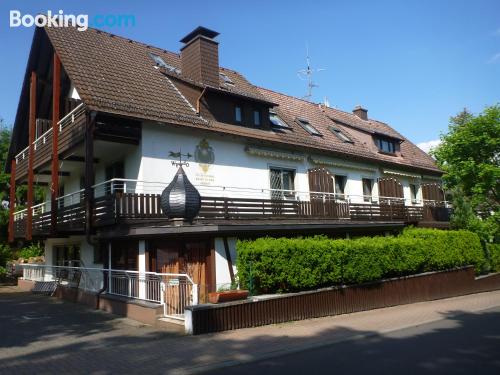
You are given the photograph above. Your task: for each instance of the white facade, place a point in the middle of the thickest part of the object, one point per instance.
(234, 171)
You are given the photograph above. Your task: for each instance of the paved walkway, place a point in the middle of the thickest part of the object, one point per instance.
(44, 335)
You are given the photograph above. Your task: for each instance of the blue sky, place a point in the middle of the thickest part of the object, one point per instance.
(412, 64)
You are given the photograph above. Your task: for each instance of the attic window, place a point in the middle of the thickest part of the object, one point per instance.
(162, 64)
(308, 127)
(386, 145)
(340, 134)
(226, 79)
(276, 121)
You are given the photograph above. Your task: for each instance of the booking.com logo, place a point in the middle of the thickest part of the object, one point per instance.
(81, 21)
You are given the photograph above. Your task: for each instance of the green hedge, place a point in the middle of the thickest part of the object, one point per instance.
(494, 255)
(269, 265)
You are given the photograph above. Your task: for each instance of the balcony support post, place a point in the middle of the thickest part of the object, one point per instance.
(32, 129)
(89, 171)
(56, 97)
(12, 197)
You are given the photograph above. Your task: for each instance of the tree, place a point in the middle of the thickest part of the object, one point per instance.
(5, 134)
(469, 154)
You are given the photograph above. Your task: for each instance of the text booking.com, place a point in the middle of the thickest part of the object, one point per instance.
(81, 21)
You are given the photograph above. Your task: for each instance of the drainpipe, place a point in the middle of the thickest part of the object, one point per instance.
(106, 281)
(199, 100)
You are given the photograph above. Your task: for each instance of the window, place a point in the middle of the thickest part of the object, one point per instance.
(308, 127)
(226, 79)
(238, 114)
(386, 145)
(161, 63)
(67, 255)
(340, 182)
(99, 253)
(115, 171)
(276, 121)
(367, 189)
(340, 135)
(282, 179)
(414, 193)
(256, 117)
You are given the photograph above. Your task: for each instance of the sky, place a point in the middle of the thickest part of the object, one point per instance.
(412, 64)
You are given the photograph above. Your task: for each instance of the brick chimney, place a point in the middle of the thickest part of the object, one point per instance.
(200, 56)
(360, 112)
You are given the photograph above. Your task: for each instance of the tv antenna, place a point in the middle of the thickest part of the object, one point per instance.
(307, 75)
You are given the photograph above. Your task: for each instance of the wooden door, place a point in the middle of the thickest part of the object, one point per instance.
(194, 258)
(196, 265)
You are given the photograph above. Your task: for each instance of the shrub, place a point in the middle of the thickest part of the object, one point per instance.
(33, 250)
(494, 254)
(5, 254)
(267, 265)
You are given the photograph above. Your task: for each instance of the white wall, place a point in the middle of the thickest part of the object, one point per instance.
(233, 166)
(223, 277)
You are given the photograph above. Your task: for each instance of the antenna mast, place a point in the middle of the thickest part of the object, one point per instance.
(306, 75)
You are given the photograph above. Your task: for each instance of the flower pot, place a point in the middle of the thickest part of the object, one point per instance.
(227, 296)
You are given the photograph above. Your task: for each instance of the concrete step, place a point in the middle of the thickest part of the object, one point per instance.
(170, 325)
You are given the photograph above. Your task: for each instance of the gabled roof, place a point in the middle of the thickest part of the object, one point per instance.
(117, 75)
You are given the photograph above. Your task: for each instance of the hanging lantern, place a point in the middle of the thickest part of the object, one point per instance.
(180, 199)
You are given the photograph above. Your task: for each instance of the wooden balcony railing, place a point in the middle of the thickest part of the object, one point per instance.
(118, 207)
(71, 132)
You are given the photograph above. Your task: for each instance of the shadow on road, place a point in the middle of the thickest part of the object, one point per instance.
(41, 333)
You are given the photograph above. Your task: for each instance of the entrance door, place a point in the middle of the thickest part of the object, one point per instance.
(194, 258)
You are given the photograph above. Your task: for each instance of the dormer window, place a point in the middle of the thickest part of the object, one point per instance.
(386, 145)
(238, 114)
(340, 134)
(308, 127)
(276, 121)
(162, 64)
(256, 117)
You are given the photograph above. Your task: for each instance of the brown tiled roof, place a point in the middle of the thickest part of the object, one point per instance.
(360, 131)
(117, 75)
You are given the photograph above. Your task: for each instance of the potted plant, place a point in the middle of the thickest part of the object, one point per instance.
(227, 293)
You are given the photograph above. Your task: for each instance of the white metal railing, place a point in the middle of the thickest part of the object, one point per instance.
(150, 187)
(70, 199)
(89, 279)
(174, 291)
(65, 121)
(154, 187)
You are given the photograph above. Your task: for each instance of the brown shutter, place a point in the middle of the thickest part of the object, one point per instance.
(320, 180)
(390, 187)
(432, 192)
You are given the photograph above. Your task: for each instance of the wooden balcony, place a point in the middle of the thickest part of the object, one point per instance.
(71, 132)
(143, 209)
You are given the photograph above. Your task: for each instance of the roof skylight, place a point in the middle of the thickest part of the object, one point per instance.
(226, 79)
(340, 134)
(308, 127)
(276, 121)
(161, 63)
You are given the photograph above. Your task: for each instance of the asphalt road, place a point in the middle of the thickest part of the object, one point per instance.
(463, 344)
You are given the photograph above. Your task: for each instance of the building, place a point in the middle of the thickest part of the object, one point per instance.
(102, 118)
